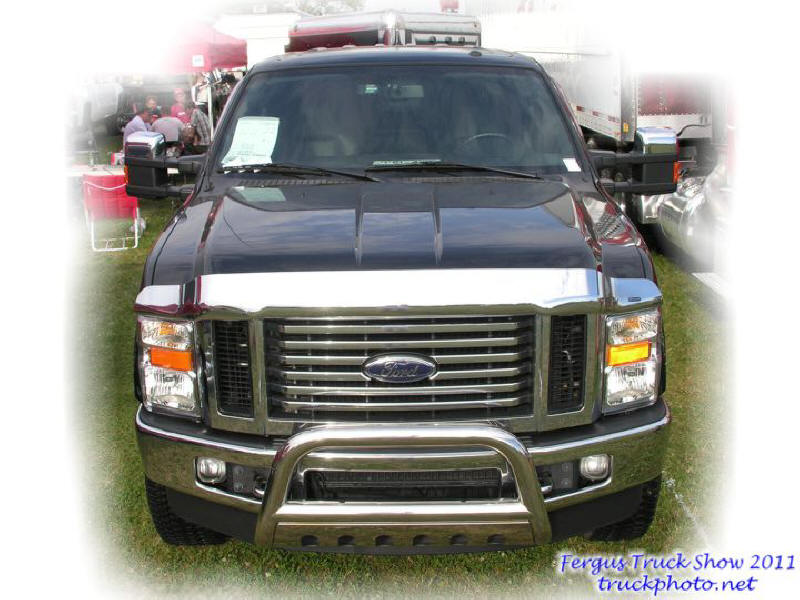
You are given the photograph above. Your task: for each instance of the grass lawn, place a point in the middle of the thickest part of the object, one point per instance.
(128, 546)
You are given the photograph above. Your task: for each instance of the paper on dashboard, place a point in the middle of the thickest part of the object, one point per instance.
(253, 141)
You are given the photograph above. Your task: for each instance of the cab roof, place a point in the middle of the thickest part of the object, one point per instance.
(396, 55)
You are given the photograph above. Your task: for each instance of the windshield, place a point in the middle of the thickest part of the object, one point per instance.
(384, 116)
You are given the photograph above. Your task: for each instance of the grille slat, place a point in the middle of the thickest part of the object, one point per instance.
(300, 405)
(392, 390)
(314, 367)
(389, 328)
(384, 344)
(358, 376)
(441, 359)
(232, 366)
(567, 363)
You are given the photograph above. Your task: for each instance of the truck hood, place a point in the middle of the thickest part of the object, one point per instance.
(509, 224)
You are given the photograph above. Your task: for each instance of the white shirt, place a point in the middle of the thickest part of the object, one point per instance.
(170, 126)
(134, 125)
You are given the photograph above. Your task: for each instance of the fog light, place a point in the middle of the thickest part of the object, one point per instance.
(595, 467)
(210, 470)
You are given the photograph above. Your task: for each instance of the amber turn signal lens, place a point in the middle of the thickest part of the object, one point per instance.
(676, 169)
(626, 354)
(180, 360)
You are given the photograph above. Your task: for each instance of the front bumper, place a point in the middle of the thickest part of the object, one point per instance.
(635, 442)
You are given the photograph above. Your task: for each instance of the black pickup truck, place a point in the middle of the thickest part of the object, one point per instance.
(399, 312)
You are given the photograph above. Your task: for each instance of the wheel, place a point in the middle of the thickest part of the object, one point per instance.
(112, 126)
(637, 524)
(172, 529)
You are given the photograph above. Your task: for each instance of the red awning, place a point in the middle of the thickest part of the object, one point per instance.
(199, 48)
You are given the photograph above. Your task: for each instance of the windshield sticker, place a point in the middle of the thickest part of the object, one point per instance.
(253, 141)
(572, 165)
(257, 195)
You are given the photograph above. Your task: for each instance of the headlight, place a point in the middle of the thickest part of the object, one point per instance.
(167, 334)
(633, 364)
(166, 355)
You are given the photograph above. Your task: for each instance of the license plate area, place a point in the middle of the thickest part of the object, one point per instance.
(382, 538)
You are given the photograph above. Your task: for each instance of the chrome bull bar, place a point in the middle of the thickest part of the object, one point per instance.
(322, 524)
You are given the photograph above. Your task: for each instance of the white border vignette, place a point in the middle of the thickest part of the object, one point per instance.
(48, 44)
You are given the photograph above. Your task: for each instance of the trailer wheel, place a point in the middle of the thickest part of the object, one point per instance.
(112, 125)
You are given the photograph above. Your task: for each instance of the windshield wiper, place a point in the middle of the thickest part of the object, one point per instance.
(450, 166)
(290, 169)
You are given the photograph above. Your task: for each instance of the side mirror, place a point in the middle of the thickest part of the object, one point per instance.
(652, 164)
(147, 165)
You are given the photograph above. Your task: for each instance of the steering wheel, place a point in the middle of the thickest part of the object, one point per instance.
(480, 136)
(500, 146)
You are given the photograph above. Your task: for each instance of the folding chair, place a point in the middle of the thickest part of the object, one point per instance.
(105, 200)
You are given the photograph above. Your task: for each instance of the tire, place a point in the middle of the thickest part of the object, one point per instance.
(173, 529)
(663, 243)
(637, 524)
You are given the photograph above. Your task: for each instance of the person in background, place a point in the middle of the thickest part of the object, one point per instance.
(202, 127)
(178, 109)
(151, 102)
(140, 122)
(170, 127)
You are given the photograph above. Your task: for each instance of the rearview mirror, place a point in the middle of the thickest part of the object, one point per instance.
(651, 167)
(147, 166)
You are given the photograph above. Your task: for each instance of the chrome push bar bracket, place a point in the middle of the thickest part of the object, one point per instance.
(295, 524)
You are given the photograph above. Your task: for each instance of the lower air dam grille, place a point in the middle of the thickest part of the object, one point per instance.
(377, 486)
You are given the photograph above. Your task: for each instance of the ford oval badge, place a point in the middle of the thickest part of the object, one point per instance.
(399, 368)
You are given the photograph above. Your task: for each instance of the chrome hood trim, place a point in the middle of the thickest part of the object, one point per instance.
(365, 293)
(373, 292)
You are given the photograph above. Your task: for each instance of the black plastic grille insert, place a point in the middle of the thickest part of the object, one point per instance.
(567, 363)
(232, 368)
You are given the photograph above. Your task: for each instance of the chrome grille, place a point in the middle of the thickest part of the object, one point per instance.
(314, 368)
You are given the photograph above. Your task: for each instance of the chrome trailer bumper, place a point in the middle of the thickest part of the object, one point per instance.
(169, 449)
(646, 208)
